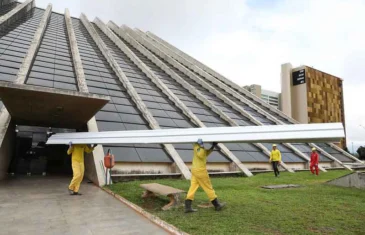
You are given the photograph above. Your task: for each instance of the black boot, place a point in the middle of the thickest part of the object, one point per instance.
(188, 208)
(218, 206)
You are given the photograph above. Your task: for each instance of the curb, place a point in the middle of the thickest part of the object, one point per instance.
(156, 220)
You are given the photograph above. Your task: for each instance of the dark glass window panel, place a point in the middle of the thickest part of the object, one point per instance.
(153, 155)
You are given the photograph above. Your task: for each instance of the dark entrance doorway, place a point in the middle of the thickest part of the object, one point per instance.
(33, 157)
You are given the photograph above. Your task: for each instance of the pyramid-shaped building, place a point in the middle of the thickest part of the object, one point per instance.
(150, 84)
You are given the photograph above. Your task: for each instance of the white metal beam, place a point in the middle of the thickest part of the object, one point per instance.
(246, 134)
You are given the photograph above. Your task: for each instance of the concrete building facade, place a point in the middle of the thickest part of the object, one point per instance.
(312, 96)
(270, 97)
(145, 82)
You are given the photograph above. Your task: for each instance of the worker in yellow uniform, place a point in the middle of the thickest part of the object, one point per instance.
(78, 167)
(201, 178)
(275, 159)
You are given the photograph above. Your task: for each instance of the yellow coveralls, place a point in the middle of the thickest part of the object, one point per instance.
(200, 175)
(275, 155)
(78, 167)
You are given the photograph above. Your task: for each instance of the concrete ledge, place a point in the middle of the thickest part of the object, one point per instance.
(156, 220)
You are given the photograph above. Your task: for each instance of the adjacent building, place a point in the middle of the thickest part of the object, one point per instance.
(269, 97)
(312, 96)
(67, 74)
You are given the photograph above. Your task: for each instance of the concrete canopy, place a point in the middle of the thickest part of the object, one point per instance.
(39, 106)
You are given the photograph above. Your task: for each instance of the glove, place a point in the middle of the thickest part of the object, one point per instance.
(215, 144)
(95, 145)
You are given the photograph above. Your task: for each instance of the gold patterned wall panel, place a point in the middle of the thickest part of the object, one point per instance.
(324, 97)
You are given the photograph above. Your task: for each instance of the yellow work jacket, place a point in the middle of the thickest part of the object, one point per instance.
(77, 152)
(275, 155)
(200, 157)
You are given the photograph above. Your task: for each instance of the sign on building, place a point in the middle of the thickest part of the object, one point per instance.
(298, 77)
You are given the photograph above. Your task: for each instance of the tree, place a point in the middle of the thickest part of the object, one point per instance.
(361, 152)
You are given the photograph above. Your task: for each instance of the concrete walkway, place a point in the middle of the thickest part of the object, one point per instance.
(42, 205)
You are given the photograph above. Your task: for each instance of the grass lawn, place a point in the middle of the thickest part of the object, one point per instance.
(312, 209)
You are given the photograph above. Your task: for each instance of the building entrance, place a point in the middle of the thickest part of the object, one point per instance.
(32, 156)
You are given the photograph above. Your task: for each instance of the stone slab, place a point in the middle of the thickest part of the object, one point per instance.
(161, 189)
(281, 186)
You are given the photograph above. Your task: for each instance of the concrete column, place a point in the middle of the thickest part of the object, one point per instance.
(160, 84)
(6, 149)
(207, 70)
(76, 59)
(134, 95)
(345, 153)
(22, 74)
(286, 89)
(204, 84)
(94, 168)
(16, 13)
(34, 46)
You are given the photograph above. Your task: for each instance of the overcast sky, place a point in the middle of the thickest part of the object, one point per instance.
(248, 40)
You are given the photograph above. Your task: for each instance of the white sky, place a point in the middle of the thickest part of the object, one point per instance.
(248, 40)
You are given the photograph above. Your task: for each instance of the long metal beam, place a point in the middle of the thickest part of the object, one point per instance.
(246, 134)
(167, 91)
(134, 95)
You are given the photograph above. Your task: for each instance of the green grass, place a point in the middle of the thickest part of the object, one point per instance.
(315, 208)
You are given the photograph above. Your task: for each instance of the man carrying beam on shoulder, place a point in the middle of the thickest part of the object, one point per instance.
(78, 168)
(200, 177)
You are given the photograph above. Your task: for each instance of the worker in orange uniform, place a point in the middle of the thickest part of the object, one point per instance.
(275, 159)
(201, 178)
(314, 161)
(78, 167)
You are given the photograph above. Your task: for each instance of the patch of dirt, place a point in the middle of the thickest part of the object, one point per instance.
(322, 230)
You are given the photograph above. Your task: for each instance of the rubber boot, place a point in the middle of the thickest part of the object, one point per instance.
(218, 206)
(188, 207)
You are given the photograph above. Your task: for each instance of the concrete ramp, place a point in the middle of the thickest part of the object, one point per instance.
(354, 180)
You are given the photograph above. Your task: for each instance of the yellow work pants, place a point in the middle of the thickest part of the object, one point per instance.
(200, 178)
(78, 170)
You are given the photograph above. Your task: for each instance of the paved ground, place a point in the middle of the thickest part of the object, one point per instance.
(41, 205)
